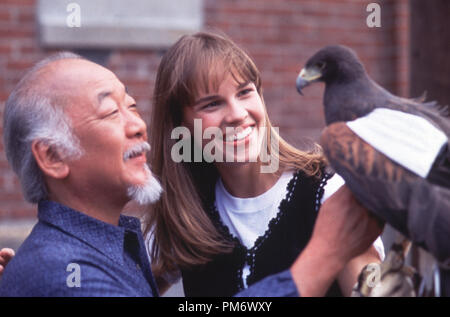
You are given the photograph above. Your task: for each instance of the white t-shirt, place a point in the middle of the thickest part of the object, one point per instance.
(248, 218)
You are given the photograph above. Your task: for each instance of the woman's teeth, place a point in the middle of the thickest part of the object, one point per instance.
(240, 135)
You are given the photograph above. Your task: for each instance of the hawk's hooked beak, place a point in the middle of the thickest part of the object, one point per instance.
(306, 77)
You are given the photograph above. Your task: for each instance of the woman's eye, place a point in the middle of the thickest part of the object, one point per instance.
(244, 92)
(211, 105)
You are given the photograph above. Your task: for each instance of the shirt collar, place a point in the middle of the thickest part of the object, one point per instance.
(104, 237)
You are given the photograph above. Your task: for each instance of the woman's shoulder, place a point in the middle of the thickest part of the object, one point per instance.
(332, 184)
(322, 174)
(322, 185)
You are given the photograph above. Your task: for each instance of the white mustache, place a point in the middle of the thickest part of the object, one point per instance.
(136, 150)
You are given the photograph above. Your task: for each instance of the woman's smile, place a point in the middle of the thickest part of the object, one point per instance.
(239, 134)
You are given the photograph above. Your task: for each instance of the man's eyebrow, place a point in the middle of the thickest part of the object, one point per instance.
(102, 95)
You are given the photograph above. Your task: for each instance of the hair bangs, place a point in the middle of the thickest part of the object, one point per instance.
(207, 65)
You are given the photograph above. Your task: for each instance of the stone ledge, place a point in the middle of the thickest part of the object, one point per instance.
(13, 232)
(140, 24)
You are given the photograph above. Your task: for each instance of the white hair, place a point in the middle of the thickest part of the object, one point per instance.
(147, 193)
(33, 112)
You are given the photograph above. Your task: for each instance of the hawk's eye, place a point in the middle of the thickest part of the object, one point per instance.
(321, 65)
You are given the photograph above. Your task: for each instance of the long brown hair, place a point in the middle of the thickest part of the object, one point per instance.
(183, 234)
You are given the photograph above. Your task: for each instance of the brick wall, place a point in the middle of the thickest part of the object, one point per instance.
(279, 35)
(18, 50)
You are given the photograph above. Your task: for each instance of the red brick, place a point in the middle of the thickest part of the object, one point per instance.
(19, 3)
(5, 16)
(16, 33)
(19, 65)
(280, 35)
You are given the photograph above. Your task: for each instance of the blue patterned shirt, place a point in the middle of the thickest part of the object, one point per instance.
(71, 254)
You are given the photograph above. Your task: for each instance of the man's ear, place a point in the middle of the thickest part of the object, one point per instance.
(49, 160)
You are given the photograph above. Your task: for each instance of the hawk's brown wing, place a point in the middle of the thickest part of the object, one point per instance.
(408, 202)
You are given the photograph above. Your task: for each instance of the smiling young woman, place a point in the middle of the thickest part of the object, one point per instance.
(226, 225)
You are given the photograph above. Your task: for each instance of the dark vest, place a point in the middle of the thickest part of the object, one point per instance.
(287, 235)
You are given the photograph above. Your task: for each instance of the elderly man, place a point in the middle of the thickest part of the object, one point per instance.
(76, 141)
